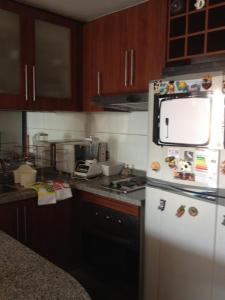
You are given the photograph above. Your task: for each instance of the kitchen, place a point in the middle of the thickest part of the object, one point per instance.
(114, 62)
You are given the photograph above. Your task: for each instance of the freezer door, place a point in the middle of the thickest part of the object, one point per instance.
(185, 121)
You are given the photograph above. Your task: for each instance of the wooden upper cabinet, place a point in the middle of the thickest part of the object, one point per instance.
(40, 59)
(146, 44)
(125, 51)
(53, 66)
(92, 62)
(12, 56)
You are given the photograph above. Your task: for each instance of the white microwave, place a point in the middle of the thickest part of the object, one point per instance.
(189, 120)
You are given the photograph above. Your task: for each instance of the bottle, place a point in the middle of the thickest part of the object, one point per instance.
(126, 172)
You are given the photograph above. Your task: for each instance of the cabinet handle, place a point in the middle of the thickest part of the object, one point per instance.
(34, 84)
(98, 83)
(26, 84)
(17, 224)
(125, 70)
(131, 67)
(25, 223)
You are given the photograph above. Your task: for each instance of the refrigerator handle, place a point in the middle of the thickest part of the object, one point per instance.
(223, 222)
(162, 205)
(167, 127)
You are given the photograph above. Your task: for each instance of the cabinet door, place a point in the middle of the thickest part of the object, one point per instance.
(218, 286)
(10, 220)
(182, 248)
(104, 58)
(13, 65)
(93, 60)
(146, 33)
(49, 228)
(115, 58)
(54, 62)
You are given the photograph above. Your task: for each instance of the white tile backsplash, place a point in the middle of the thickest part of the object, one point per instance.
(126, 133)
(117, 122)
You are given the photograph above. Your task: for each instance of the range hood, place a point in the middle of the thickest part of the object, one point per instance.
(123, 102)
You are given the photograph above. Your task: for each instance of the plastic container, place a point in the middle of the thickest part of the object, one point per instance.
(25, 175)
(110, 168)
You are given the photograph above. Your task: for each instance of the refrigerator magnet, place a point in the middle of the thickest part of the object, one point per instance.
(207, 82)
(222, 167)
(155, 166)
(180, 211)
(182, 86)
(193, 211)
(171, 161)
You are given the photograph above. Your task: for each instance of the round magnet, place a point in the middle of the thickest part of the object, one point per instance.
(155, 165)
(207, 82)
(193, 211)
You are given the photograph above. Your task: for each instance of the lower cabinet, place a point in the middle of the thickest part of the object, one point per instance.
(45, 229)
(10, 219)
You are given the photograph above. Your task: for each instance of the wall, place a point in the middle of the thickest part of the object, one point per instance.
(126, 133)
(57, 125)
(10, 132)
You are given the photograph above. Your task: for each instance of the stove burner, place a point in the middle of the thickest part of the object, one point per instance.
(126, 185)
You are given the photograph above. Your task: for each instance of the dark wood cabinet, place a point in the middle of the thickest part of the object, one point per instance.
(10, 220)
(50, 232)
(40, 61)
(146, 34)
(13, 59)
(45, 229)
(124, 51)
(195, 31)
(92, 62)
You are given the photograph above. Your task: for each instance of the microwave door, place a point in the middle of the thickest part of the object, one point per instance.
(185, 121)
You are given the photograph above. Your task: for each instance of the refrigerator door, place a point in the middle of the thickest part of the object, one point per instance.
(185, 121)
(179, 246)
(219, 275)
(203, 162)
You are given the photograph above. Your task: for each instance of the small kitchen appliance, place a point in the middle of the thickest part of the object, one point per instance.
(87, 169)
(63, 154)
(185, 181)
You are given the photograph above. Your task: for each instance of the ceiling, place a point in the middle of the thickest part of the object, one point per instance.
(83, 10)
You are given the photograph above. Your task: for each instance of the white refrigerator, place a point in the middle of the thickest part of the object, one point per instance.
(184, 240)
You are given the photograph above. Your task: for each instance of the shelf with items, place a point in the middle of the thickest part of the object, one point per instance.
(195, 31)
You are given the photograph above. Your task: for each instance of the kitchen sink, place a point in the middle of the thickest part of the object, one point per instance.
(5, 188)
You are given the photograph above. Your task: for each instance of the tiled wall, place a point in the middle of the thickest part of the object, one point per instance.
(126, 133)
(57, 125)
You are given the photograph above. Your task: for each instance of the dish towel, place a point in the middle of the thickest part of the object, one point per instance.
(52, 191)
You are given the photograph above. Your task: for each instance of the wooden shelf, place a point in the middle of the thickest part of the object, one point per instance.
(194, 33)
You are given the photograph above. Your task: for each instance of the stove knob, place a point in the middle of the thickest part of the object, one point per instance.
(107, 217)
(120, 221)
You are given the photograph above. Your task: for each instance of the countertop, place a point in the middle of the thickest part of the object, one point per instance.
(94, 186)
(26, 275)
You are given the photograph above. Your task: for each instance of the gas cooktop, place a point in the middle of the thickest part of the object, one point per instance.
(126, 185)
